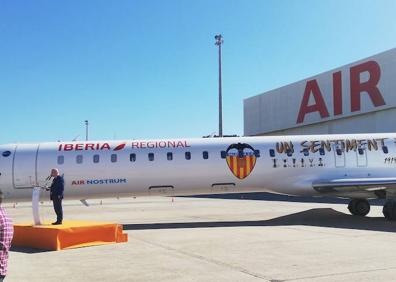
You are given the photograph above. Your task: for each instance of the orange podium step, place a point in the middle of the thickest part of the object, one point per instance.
(71, 234)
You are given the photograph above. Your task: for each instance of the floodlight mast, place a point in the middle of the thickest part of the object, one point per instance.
(219, 42)
(86, 130)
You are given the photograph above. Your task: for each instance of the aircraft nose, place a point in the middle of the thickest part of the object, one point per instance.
(5, 160)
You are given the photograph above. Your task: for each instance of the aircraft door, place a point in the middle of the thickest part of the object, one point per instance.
(24, 166)
(361, 155)
(339, 156)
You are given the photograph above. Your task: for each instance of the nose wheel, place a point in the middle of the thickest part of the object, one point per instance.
(359, 207)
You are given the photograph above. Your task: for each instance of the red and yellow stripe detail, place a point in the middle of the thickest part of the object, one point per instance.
(241, 167)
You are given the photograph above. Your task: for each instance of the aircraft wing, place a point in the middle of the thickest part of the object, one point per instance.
(355, 185)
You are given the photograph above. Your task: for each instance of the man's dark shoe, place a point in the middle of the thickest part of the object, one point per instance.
(57, 223)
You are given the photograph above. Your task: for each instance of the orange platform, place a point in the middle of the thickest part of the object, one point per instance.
(71, 234)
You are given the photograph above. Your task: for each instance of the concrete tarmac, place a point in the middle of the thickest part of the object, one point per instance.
(214, 239)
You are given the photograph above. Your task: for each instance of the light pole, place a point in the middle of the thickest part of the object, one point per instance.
(219, 41)
(86, 130)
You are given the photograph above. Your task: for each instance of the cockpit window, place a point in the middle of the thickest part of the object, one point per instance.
(6, 154)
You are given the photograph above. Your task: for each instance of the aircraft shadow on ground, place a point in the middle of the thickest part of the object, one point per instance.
(27, 250)
(319, 217)
(264, 196)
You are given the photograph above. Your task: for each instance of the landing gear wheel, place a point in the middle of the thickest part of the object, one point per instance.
(389, 210)
(360, 207)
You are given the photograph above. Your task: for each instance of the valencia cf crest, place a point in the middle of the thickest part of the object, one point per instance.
(241, 159)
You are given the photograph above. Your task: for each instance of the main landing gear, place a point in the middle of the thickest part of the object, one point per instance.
(360, 207)
(389, 209)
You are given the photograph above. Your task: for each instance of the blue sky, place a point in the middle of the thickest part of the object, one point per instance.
(148, 69)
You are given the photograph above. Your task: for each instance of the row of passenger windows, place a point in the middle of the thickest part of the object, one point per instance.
(322, 151)
(289, 153)
(150, 156)
(205, 155)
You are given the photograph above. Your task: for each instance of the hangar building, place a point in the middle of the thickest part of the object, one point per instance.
(355, 98)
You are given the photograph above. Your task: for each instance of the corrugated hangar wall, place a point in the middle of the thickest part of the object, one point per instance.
(356, 98)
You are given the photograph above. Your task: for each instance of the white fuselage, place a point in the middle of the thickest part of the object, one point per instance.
(279, 164)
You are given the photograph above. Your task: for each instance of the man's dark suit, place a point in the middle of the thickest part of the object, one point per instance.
(56, 196)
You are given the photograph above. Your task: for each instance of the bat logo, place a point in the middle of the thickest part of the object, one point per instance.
(241, 159)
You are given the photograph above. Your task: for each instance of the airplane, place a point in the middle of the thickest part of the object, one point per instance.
(355, 166)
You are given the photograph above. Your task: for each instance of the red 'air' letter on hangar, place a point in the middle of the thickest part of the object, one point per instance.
(357, 87)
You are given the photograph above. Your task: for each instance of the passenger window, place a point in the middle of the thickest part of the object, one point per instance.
(113, 158)
(132, 157)
(385, 149)
(223, 154)
(151, 157)
(257, 153)
(205, 155)
(339, 151)
(169, 156)
(96, 159)
(187, 155)
(6, 154)
(361, 151)
(61, 160)
(321, 151)
(306, 152)
(79, 159)
(272, 153)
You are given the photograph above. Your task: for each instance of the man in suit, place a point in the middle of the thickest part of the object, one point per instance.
(56, 195)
